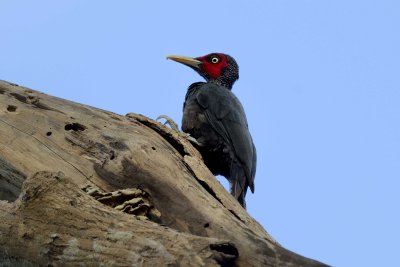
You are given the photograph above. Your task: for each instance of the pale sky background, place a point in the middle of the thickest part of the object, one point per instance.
(319, 81)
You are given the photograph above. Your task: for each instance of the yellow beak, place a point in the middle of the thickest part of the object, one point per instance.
(188, 61)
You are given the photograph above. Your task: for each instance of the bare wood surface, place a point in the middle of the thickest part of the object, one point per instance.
(84, 185)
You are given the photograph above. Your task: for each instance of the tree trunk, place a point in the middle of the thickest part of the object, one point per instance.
(84, 186)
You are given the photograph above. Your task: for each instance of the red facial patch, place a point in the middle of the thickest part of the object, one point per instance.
(214, 70)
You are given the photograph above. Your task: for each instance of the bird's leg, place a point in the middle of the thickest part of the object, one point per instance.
(174, 126)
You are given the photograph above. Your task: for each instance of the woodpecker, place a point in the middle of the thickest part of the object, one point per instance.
(214, 116)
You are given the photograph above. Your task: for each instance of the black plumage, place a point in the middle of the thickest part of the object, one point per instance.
(214, 116)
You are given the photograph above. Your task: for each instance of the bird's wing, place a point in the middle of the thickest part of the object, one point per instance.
(225, 113)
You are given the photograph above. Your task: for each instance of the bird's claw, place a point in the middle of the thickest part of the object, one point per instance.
(191, 139)
(174, 126)
(169, 121)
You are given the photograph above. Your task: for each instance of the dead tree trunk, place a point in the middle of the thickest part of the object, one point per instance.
(80, 185)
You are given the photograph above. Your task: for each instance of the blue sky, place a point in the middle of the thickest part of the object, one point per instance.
(319, 81)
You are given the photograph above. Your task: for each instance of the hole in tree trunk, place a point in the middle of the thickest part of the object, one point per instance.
(74, 127)
(11, 108)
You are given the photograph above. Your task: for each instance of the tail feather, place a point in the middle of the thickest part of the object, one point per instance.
(238, 183)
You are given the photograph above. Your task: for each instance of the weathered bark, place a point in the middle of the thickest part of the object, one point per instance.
(83, 185)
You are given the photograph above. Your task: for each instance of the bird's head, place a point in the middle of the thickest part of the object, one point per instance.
(215, 67)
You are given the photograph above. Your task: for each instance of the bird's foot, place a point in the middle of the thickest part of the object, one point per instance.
(174, 126)
(190, 139)
(169, 121)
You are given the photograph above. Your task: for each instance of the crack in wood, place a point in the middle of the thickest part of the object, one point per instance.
(45, 145)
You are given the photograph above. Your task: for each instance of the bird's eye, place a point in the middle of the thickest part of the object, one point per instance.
(214, 60)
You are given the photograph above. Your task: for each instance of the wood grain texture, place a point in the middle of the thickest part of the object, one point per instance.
(80, 185)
